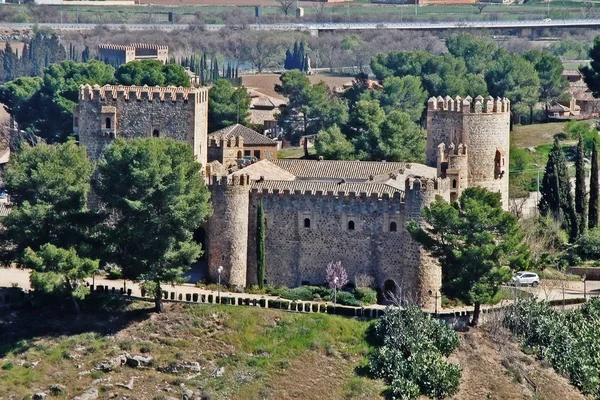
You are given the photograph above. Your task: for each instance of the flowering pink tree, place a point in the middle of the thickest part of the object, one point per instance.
(335, 269)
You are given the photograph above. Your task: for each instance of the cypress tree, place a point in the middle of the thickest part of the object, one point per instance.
(260, 245)
(557, 199)
(85, 54)
(594, 190)
(580, 192)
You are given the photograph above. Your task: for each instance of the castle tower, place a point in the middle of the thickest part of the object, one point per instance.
(420, 193)
(482, 126)
(228, 229)
(105, 113)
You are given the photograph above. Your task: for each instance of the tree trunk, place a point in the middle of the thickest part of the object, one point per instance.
(73, 300)
(476, 312)
(158, 303)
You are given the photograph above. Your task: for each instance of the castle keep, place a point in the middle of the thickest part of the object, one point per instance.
(316, 211)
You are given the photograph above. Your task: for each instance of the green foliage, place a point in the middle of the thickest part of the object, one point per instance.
(260, 245)
(478, 54)
(570, 49)
(475, 241)
(15, 96)
(48, 185)
(549, 69)
(155, 198)
(152, 73)
(58, 271)
(332, 144)
(569, 340)
(411, 352)
(580, 189)
(405, 94)
(576, 129)
(591, 74)
(514, 77)
(365, 295)
(557, 199)
(594, 188)
(588, 245)
(227, 105)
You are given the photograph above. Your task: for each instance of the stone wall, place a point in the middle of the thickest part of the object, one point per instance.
(139, 112)
(483, 126)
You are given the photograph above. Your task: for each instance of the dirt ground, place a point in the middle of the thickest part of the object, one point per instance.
(501, 371)
(265, 83)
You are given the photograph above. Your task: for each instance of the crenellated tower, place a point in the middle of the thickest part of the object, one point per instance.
(104, 113)
(482, 126)
(421, 193)
(228, 229)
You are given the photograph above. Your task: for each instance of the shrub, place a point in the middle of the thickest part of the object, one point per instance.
(411, 352)
(365, 295)
(588, 245)
(299, 293)
(347, 299)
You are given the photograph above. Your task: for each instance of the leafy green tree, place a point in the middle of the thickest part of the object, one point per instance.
(311, 108)
(549, 69)
(478, 54)
(591, 73)
(152, 73)
(557, 199)
(404, 94)
(15, 96)
(227, 105)
(155, 197)
(580, 190)
(58, 271)
(332, 144)
(594, 189)
(48, 185)
(260, 245)
(403, 140)
(514, 77)
(475, 241)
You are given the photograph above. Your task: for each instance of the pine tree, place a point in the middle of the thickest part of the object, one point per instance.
(580, 192)
(557, 199)
(260, 245)
(594, 189)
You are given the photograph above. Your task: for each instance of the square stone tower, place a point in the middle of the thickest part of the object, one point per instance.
(105, 113)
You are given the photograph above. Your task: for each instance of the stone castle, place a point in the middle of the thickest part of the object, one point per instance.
(316, 211)
(115, 54)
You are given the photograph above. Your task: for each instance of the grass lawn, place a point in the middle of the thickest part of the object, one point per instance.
(536, 134)
(295, 152)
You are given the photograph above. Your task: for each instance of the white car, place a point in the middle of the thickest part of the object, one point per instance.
(523, 278)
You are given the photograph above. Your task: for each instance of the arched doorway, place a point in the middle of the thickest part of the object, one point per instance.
(389, 288)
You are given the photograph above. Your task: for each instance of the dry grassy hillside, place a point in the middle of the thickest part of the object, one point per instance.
(220, 352)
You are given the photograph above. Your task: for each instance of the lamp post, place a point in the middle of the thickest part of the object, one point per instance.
(584, 288)
(219, 270)
(436, 300)
(335, 282)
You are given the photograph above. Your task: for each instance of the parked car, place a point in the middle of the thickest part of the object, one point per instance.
(523, 278)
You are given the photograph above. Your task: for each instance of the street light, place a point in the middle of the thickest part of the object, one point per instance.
(219, 270)
(436, 300)
(335, 282)
(584, 288)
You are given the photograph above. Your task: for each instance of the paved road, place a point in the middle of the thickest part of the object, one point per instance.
(316, 27)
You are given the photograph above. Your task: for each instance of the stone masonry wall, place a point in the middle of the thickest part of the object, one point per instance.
(180, 114)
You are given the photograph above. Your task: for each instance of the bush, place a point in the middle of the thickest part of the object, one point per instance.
(366, 296)
(588, 245)
(347, 299)
(411, 352)
(299, 293)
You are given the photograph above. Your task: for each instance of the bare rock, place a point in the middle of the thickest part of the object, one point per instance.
(39, 396)
(90, 394)
(129, 385)
(109, 365)
(137, 361)
(188, 394)
(57, 389)
(219, 372)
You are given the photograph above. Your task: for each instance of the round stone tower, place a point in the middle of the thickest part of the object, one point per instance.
(482, 126)
(228, 229)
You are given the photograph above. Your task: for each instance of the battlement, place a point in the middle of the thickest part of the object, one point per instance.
(467, 105)
(225, 181)
(131, 47)
(233, 142)
(423, 185)
(327, 195)
(452, 151)
(149, 93)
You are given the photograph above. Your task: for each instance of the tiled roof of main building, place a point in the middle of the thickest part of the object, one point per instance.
(325, 187)
(359, 170)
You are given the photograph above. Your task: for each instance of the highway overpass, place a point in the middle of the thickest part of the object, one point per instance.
(318, 27)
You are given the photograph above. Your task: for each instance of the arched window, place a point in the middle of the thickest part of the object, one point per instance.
(393, 227)
(108, 123)
(350, 225)
(155, 133)
(307, 222)
(454, 184)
